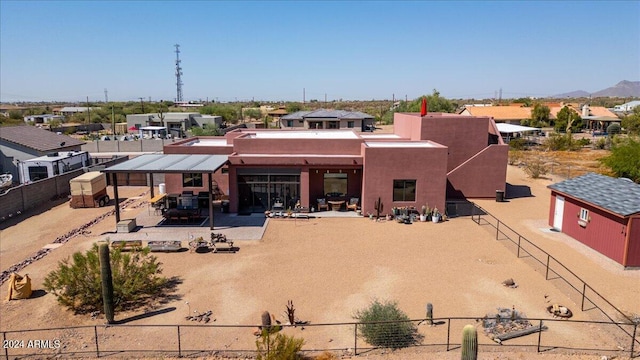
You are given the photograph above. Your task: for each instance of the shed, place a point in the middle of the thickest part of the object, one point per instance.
(601, 212)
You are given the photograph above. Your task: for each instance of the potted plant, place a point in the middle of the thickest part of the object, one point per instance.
(423, 214)
(435, 215)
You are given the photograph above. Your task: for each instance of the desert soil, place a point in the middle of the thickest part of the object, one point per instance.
(329, 268)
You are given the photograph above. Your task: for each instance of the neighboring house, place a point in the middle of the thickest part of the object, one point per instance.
(327, 119)
(21, 143)
(175, 122)
(627, 107)
(601, 212)
(72, 110)
(43, 119)
(427, 160)
(595, 118)
(501, 114)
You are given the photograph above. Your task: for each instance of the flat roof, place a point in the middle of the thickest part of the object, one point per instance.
(170, 163)
(380, 136)
(396, 144)
(61, 155)
(306, 134)
(511, 128)
(207, 142)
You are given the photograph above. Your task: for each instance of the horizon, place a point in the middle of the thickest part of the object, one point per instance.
(342, 51)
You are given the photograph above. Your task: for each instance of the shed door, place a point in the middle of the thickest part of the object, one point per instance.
(558, 213)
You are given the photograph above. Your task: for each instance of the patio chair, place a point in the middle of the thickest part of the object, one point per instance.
(322, 204)
(353, 204)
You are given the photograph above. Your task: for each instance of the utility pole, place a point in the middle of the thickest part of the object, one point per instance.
(106, 97)
(113, 123)
(325, 99)
(88, 111)
(142, 102)
(303, 95)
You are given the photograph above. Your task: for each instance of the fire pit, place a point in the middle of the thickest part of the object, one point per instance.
(507, 324)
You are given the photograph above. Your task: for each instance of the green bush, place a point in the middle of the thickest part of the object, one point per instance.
(383, 324)
(624, 160)
(77, 285)
(278, 346)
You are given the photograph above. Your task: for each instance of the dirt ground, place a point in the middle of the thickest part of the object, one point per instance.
(329, 268)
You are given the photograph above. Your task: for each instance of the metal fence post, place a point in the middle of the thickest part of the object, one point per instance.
(546, 276)
(519, 238)
(584, 290)
(448, 332)
(539, 335)
(95, 333)
(633, 339)
(497, 229)
(6, 348)
(179, 343)
(355, 340)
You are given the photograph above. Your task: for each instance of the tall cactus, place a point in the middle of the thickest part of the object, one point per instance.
(469, 343)
(379, 207)
(429, 314)
(107, 282)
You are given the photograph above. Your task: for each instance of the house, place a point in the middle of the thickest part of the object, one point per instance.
(43, 119)
(327, 119)
(600, 212)
(427, 160)
(72, 110)
(595, 118)
(21, 143)
(501, 114)
(175, 122)
(627, 107)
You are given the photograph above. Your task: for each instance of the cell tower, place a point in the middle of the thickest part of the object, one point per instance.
(178, 75)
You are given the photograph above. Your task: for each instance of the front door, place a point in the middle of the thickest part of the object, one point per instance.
(558, 213)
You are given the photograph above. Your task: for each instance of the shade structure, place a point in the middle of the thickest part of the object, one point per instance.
(423, 108)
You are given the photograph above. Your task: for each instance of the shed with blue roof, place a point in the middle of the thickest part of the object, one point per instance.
(601, 212)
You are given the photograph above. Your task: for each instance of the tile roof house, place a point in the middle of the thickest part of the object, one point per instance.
(20, 143)
(601, 212)
(504, 114)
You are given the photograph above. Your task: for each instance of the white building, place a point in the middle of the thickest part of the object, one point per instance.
(627, 107)
(51, 165)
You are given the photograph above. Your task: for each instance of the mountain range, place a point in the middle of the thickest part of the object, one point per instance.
(622, 89)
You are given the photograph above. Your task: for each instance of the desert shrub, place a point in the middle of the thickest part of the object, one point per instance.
(76, 282)
(556, 142)
(614, 129)
(517, 144)
(535, 167)
(383, 324)
(515, 156)
(600, 144)
(278, 346)
(583, 142)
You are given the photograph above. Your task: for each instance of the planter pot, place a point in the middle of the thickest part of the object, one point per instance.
(423, 218)
(435, 219)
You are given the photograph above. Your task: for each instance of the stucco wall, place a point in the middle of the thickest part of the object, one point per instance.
(382, 165)
(633, 249)
(480, 176)
(244, 145)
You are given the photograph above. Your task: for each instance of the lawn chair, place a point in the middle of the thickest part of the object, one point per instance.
(353, 204)
(322, 204)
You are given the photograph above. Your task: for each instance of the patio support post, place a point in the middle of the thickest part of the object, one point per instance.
(151, 185)
(115, 197)
(210, 202)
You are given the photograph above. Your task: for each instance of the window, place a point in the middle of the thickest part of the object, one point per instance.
(584, 214)
(350, 124)
(192, 180)
(333, 124)
(404, 190)
(335, 185)
(289, 123)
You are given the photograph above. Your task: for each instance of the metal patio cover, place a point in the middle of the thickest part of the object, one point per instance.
(170, 163)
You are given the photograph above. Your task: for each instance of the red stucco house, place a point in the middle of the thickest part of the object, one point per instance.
(427, 160)
(601, 212)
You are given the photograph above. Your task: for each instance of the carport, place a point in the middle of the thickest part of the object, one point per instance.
(168, 164)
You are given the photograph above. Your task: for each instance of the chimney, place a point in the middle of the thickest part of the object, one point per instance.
(585, 110)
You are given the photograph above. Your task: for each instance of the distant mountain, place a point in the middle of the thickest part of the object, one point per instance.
(622, 89)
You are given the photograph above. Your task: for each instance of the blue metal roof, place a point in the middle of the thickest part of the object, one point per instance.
(617, 195)
(171, 163)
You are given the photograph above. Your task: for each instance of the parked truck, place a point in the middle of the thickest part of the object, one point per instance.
(89, 190)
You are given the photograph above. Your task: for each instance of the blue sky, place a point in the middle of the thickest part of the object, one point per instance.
(268, 50)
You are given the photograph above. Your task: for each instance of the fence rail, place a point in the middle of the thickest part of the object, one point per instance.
(178, 340)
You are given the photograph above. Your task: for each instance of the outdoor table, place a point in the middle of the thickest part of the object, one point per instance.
(336, 205)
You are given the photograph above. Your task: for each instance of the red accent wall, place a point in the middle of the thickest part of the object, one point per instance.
(633, 252)
(427, 165)
(605, 232)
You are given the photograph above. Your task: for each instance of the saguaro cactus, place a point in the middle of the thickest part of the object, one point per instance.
(266, 321)
(379, 207)
(469, 343)
(107, 282)
(429, 314)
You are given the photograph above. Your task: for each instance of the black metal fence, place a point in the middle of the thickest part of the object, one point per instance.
(556, 272)
(585, 337)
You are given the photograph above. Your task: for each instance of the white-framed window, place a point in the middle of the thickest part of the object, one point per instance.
(584, 214)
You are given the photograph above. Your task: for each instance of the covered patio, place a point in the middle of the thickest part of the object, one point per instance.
(168, 164)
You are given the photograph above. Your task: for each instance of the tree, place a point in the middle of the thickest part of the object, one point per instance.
(567, 120)
(293, 107)
(252, 113)
(77, 285)
(383, 324)
(624, 160)
(631, 122)
(540, 115)
(207, 130)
